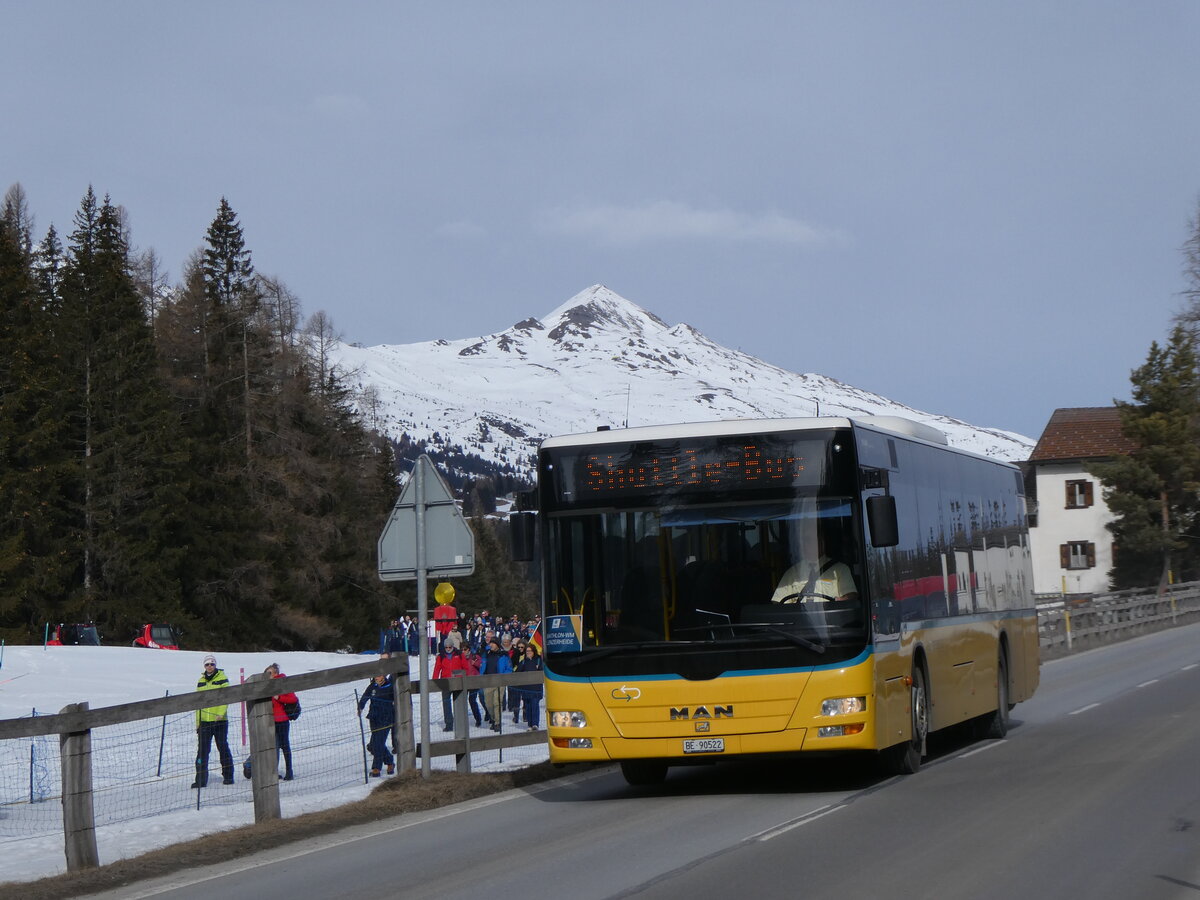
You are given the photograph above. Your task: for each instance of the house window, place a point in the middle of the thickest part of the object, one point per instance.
(1077, 555)
(1079, 494)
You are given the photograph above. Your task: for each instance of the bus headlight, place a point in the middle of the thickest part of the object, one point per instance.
(844, 706)
(568, 719)
(840, 730)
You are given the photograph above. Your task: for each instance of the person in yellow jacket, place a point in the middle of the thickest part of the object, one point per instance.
(212, 725)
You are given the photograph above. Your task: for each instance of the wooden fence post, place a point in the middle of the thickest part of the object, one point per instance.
(79, 819)
(264, 771)
(404, 743)
(462, 731)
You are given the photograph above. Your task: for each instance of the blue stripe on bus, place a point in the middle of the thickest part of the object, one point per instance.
(737, 673)
(988, 616)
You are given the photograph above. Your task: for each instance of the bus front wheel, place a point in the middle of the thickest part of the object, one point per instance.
(905, 758)
(644, 772)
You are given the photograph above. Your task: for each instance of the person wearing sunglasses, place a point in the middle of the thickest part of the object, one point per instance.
(212, 726)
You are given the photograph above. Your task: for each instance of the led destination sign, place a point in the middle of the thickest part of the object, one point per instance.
(704, 465)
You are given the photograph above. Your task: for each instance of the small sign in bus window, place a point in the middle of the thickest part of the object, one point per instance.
(564, 634)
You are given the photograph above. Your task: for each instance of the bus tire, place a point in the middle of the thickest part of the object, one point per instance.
(905, 758)
(995, 724)
(644, 772)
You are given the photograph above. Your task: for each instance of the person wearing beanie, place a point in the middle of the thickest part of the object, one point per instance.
(212, 724)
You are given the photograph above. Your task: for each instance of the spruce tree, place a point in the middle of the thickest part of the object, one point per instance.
(132, 461)
(207, 333)
(1154, 492)
(39, 469)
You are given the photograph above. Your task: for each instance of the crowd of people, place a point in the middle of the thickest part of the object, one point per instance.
(403, 634)
(464, 645)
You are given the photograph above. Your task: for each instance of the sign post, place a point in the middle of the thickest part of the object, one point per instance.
(425, 536)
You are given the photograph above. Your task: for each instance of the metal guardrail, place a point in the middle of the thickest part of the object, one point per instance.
(1068, 625)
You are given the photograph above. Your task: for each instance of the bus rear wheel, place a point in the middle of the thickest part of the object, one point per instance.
(995, 724)
(905, 758)
(644, 772)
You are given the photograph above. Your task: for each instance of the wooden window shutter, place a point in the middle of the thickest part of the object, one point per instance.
(1064, 555)
(1091, 554)
(1087, 493)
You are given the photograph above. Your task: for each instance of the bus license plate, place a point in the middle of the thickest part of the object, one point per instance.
(704, 745)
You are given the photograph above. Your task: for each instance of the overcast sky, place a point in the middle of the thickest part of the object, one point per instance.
(974, 209)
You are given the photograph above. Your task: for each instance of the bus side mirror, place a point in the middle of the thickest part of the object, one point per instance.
(521, 536)
(881, 517)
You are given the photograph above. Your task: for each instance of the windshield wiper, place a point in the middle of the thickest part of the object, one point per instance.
(772, 627)
(609, 649)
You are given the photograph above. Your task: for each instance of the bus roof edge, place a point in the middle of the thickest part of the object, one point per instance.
(904, 426)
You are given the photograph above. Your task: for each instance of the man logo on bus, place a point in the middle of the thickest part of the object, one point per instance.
(701, 712)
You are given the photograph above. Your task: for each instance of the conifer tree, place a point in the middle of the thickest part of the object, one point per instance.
(133, 481)
(1154, 492)
(205, 335)
(233, 334)
(36, 537)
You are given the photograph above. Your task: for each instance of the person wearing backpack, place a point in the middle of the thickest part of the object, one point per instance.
(283, 723)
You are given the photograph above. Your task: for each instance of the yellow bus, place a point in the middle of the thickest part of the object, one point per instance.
(788, 586)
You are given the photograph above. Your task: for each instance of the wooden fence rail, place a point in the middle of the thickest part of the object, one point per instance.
(1063, 627)
(74, 725)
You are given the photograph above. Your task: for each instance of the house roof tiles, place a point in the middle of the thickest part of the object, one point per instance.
(1083, 432)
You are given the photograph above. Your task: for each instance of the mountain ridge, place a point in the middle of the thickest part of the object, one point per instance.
(598, 359)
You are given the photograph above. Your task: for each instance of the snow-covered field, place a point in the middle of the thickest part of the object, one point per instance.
(143, 771)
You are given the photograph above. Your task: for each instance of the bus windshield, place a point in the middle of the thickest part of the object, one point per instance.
(753, 584)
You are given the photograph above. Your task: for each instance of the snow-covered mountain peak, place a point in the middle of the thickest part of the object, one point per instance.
(599, 359)
(600, 311)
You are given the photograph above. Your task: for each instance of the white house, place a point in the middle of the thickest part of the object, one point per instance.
(1072, 549)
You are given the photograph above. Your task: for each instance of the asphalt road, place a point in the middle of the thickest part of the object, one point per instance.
(1095, 793)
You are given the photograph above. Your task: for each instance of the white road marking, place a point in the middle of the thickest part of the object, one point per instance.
(795, 823)
(1083, 709)
(349, 835)
(980, 749)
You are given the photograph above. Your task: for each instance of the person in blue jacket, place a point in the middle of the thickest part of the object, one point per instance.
(381, 717)
(531, 694)
(494, 662)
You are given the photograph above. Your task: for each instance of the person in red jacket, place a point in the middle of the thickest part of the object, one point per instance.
(449, 665)
(471, 661)
(282, 724)
(445, 617)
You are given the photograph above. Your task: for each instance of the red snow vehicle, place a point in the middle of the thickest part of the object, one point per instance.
(62, 635)
(158, 637)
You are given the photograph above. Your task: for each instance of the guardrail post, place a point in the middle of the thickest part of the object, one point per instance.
(264, 767)
(1067, 624)
(79, 819)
